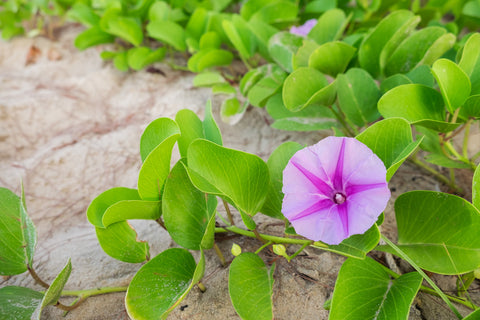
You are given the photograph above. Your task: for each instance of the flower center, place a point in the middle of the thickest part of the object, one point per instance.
(339, 198)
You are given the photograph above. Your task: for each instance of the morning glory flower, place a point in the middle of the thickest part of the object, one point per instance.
(304, 29)
(334, 189)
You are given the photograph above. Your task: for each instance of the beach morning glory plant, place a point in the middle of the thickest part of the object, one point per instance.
(334, 189)
(304, 29)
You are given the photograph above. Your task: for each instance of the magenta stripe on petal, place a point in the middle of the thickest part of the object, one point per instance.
(338, 178)
(315, 208)
(321, 186)
(353, 189)
(343, 213)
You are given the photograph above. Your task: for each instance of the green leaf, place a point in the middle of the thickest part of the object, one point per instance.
(210, 127)
(240, 36)
(373, 44)
(312, 118)
(276, 164)
(300, 59)
(208, 79)
(453, 82)
(282, 46)
(17, 233)
(92, 37)
(186, 210)
(84, 14)
(263, 32)
(240, 176)
(210, 39)
(470, 61)
(422, 75)
(119, 241)
(191, 128)
(156, 132)
(139, 58)
(331, 57)
(279, 12)
(253, 76)
(232, 110)
(357, 96)
(250, 285)
(103, 201)
(301, 87)
(132, 209)
(476, 188)
(54, 292)
(421, 105)
(126, 28)
(120, 61)
(266, 87)
(162, 283)
(394, 81)
(438, 231)
(18, 303)
(159, 11)
(411, 51)
(391, 140)
(208, 58)
(330, 26)
(169, 32)
(475, 315)
(155, 169)
(438, 49)
(197, 24)
(365, 290)
(441, 160)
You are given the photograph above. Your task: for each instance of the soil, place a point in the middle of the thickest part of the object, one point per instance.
(70, 126)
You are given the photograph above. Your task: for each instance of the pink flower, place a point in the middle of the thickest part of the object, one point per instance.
(304, 29)
(334, 189)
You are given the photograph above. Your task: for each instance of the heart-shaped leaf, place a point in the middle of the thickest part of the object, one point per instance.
(453, 82)
(418, 104)
(470, 61)
(162, 283)
(276, 164)
(18, 303)
(119, 241)
(240, 176)
(391, 140)
(17, 233)
(250, 285)
(301, 86)
(365, 290)
(169, 32)
(331, 57)
(155, 133)
(438, 231)
(282, 46)
(357, 96)
(373, 44)
(330, 26)
(186, 210)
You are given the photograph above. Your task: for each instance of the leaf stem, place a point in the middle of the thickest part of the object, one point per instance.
(306, 244)
(273, 239)
(466, 136)
(63, 307)
(161, 223)
(37, 278)
(219, 254)
(229, 213)
(440, 293)
(263, 247)
(92, 292)
(342, 122)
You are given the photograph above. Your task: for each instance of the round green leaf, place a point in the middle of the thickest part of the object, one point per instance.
(186, 210)
(330, 26)
(168, 32)
(438, 231)
(17, 233)
(282, 46)
(132, 209)
(103, 201)
(161, 284)
(453, 82)
(470, 61)
(92, 37)
(365, 290)
(126, 28)
(156, 132)
(240, 176)
(250, 285)
(119, 241)
(391, 140)
(209, 57)
(139, 58)
(276, 164)
(418, 104)
(331, 57)
(18, 303)
(300, 86)
(357, 96)
(373, 44)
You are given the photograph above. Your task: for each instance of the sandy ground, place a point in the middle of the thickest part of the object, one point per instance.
(70, 126)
